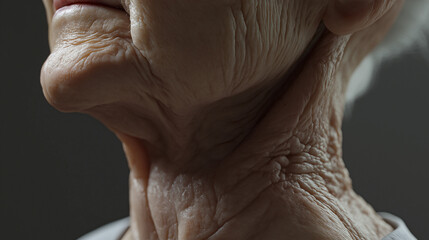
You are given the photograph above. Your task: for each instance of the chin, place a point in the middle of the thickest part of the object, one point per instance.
(90, 56)
(74, 80)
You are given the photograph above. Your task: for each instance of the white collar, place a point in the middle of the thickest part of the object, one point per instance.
(116, 229)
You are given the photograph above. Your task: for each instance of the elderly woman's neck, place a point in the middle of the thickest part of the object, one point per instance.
(200, 135)
(206, 135)
(256, 167)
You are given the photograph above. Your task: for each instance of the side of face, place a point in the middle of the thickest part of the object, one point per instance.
(180, 54)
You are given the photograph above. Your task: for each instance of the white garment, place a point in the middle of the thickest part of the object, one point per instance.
(111, 231)
(115, 230)
(401, 231)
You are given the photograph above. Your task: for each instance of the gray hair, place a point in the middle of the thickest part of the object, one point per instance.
(408, 31)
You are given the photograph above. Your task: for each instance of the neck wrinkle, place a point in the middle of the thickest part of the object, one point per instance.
(206, 134)
(286, 168)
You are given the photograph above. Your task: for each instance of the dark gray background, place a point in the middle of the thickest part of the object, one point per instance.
(63, 175)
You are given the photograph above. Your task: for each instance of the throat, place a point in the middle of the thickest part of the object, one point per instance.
(264, 165)
(217, 130)
(205, 135)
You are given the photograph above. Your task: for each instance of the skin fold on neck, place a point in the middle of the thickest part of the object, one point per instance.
(254, 167)
(229, 115)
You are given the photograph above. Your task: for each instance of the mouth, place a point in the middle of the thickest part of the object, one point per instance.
(58, 4)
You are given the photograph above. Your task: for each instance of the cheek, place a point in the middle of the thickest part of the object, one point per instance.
(189, 46)
(218, 49)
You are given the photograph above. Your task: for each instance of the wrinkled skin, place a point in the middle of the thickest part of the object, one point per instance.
(229, 111)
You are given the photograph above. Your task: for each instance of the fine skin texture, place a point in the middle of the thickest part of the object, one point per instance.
(229, 111)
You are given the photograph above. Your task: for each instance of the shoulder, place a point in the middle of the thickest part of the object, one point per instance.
(111, 231)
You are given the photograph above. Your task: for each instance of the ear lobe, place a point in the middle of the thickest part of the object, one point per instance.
(344, 17)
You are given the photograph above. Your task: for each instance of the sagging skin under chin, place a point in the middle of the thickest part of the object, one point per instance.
(205, 164)
(286, 178)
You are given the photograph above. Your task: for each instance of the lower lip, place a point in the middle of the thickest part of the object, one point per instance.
(58, 4)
